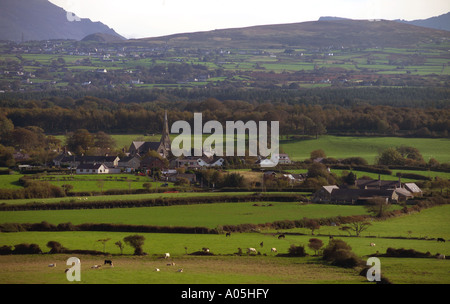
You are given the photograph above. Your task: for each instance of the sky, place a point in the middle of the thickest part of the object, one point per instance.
(153, 18)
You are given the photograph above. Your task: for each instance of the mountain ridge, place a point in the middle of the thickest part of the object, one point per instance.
(317, 34)
(25, 20)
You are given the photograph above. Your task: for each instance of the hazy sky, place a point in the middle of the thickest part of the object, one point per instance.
(151, 18)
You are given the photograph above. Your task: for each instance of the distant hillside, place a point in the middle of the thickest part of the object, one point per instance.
(42, 20)
(337, 33)
(102, 37)
(441, 22)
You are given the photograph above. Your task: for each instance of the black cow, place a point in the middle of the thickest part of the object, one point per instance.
(441, 240)
(228, 234)
(281, 236)
(108, 262)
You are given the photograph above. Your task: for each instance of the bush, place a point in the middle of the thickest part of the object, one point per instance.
(55, 247)
(5, 250)
(339, 253)
(345, 258)
(26, 249)
(334, 245)
(298, 251)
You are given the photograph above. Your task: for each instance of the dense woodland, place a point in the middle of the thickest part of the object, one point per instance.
(418, 112)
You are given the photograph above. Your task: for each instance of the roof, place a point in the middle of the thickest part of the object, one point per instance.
(359, 194)
(375, 183)
(128, 158)
(89, 159)
(145, 146)
(329, 189)
(403, 192)
(412, 187)
(91, 166)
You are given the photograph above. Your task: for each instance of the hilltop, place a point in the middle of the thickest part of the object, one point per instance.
(315, 34)
(41, 20)
(441, 22)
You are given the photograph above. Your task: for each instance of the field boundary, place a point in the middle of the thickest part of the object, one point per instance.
(154, 202)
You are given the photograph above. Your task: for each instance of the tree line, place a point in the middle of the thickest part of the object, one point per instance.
(61, 115)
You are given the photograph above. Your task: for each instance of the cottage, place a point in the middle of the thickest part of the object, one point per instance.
(189, 162)
(129, 163)
(282, 158)
(92, 169)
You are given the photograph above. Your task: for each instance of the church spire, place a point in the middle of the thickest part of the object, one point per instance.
(165, 139)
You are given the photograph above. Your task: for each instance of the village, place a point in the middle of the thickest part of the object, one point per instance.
(146, 158)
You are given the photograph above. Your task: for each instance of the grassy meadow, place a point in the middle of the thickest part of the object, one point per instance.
(225, 267)
(365, 147)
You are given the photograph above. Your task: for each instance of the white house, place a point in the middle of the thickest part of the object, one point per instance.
(92, 169)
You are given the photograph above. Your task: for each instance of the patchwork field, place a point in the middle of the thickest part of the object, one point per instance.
(365, 147)
(417, 231)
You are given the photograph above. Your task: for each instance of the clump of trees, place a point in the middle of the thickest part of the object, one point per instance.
(136, 241)
(339, 253)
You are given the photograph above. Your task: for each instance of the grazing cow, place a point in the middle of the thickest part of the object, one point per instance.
(156, 269)
(228, 234)
(273, 250)
(251, 250)
(180, 270)
(96, 266)
(441, 257)
(441, 240)
(108, 262)
(281, 236)
(167, 255)
(171, 264)
(261, 244)
(205, 249)
(51, 265)
(372, 244)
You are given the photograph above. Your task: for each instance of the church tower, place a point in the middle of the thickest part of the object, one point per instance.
(165, 139)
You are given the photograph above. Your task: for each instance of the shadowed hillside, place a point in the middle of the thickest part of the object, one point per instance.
(42, 20)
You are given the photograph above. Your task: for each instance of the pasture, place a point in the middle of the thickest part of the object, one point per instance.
(415, 231)
(196, 215)
(196, 270)
(365, 147)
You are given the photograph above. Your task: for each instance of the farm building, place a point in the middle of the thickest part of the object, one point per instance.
(413, 188)
(377, 184)
(324, 193)
(361, 195)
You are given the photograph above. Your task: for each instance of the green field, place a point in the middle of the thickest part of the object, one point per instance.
(365, 147)
(226, 268)
(202, 215)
